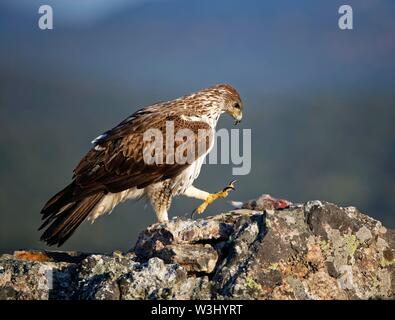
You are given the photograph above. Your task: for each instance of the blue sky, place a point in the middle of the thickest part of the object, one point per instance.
(284, 45)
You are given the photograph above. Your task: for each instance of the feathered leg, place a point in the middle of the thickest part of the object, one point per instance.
(160, 199)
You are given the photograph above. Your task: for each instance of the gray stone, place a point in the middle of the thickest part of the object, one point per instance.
(313, 251)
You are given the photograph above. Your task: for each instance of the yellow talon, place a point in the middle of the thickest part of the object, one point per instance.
(214, 196)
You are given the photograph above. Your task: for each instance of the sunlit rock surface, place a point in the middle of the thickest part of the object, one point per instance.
(315, 250)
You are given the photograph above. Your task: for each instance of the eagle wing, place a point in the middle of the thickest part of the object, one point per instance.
(116, 163)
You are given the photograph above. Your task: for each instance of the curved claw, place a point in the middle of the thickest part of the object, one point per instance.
(193, 213)
(230, 186)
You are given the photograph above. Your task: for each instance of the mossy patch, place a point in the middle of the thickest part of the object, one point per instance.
(352, 243)
(273, 266)
(252, 284)
(385, 263)
(325, 247)
(375, 282)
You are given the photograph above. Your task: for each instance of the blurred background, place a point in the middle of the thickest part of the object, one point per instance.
(320, 101)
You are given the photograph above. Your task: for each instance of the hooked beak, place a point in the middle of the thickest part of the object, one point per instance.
(238, 118)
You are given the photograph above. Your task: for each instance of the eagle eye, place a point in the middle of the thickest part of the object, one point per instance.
(237, 106)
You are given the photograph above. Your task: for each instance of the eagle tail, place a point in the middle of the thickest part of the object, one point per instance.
(62, 214)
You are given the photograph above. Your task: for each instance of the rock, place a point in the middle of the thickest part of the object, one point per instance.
(315, 250)
(186, 242)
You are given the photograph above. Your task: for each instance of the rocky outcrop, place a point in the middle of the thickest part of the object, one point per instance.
(315, 250)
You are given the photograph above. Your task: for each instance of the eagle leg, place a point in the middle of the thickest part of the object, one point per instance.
(214, 196)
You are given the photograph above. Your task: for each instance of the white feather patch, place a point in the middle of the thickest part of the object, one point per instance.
(97, 139)
(99, 148)
(110, 200)
(237, 204)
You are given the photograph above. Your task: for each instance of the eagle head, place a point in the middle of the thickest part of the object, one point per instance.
(232, 103)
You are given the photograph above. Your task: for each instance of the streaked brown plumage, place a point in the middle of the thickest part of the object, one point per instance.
(114, 169)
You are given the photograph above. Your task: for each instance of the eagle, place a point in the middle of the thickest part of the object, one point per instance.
(116, 169)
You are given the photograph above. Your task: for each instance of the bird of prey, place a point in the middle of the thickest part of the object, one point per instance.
(115, 169)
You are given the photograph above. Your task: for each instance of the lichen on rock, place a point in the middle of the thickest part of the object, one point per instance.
(315, 250)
